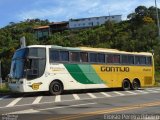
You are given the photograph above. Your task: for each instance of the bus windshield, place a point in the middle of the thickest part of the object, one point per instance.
(17, 65)
(35, 63)
(28, 63)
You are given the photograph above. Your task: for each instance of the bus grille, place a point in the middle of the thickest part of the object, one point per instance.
(147, 80)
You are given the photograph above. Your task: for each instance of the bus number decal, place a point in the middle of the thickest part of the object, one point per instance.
(35, 86)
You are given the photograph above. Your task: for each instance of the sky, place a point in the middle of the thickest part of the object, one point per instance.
(63, 10)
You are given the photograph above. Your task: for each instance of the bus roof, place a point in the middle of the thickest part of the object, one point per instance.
(90, 49)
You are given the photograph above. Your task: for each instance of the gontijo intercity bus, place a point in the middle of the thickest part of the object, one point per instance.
(55, 69)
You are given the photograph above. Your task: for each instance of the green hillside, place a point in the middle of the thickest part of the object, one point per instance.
(138, 33)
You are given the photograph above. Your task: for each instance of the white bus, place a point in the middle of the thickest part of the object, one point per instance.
(55, 69)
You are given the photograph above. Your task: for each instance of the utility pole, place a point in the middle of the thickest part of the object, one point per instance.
(157, 18)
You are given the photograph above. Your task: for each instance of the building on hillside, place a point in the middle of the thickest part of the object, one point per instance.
(43, 32)
(92, 21)
(59, 26)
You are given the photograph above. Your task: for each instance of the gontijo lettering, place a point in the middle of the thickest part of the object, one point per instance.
(114, 69)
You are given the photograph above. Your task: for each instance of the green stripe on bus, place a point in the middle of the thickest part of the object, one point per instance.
(77, 74)
(91, 74)
(84, 74)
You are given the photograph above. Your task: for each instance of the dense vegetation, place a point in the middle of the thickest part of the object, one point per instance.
(138, 33)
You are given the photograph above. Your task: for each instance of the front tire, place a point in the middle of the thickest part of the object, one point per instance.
(56, 88)
(126, 85)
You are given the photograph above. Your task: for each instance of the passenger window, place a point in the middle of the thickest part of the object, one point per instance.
(127, 59)
(93, 57)
(131, 59)
(124, 59)
(54, 55)
(101, 58)
(137, 60)
(140, 60)
(149, 60)
(84, 56)
(113, 58)
(75, 56)
(64, 55)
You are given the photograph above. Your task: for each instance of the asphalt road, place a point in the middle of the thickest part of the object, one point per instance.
(89, 105)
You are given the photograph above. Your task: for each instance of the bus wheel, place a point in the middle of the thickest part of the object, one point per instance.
(135, 84)
(56, 88)
(126, 85)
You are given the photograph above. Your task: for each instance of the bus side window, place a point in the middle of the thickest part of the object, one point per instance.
(54, 55)
(124, 59)
(84, 57)
(140, 60)
(143, 60)
(111, 58)
(116, 58)
(127, 59)
(75, 57)
(101, 58)
(149, 60)
(93, 57)
(64, 56)
(131, 59)
(137, 60)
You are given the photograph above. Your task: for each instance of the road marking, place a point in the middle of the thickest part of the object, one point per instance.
(121, 94)
(153, 91)
(105, 94)
(6, 96)
(142, 91)
(131, 92)
(91, 95)
(24, 111)
(58, 98)
(76, 97)
(65, 106)
(15, 101)
(47, 103)
(37, 100)
(158, 88)
(106, 111)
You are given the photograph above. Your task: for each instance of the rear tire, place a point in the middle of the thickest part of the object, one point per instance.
(56, 88)
(135, 85)
(126, 85)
